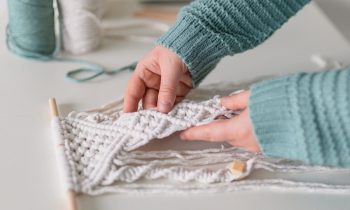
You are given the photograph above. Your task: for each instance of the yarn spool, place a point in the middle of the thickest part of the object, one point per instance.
(82, 30)
(80, 24)
(31, 28)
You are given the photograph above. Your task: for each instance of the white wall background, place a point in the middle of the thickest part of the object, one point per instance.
(339, 13)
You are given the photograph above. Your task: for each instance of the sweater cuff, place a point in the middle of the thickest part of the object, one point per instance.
(199, 48)
(272, 108)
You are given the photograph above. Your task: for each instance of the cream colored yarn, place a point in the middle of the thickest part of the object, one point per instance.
(82, 26)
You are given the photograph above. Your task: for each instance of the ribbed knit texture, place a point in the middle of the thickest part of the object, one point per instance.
(208, 30)
(304, 117)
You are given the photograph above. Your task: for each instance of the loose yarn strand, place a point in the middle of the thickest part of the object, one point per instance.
(279, 185)
(115, 32)
(85, 74)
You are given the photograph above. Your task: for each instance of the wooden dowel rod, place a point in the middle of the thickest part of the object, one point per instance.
(72, 200)
(71, 195)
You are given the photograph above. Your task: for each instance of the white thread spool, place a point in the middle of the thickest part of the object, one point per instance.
(82, 33)
(82, 30)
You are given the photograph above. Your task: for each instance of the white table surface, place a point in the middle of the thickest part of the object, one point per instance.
(28, 171)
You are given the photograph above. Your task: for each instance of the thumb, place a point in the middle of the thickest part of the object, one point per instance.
(169, 81)
(236, 101)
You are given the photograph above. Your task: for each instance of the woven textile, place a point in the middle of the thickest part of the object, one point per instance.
(100, 152)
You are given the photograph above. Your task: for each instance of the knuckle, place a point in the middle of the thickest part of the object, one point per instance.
(140, 66)
(147, 105)
(167, 89)
(145, 75)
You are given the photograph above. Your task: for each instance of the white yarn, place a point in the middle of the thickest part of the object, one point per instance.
(96, 145)
(82, 29)
(80, 24)
(279, 185)
(99, 154)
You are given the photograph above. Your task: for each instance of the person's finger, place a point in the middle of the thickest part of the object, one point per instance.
(149, 100)
(169, 83)
(186, 79)
(134, 93)
(236, 101)
(219, 130)
(181, 95)
(179, 99)
(242, 132)
(181, 90)
(151, 79)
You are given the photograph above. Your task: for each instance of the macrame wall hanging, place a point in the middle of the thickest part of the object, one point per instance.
(100, 151)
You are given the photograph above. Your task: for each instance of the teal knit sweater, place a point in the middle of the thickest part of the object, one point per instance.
(305, 116)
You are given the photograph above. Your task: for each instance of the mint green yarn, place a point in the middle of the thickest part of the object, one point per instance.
(85, 74)
(31, 28)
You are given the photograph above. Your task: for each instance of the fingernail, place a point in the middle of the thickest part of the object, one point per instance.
(236, 92)
(182, 135)
(164, 106)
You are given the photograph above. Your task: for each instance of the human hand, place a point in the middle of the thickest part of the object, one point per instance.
(237, 131)
(160, 80)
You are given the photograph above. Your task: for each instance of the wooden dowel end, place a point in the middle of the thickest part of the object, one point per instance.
(72, 201)
(53, 107)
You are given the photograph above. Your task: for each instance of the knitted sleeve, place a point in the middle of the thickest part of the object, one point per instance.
(207, 30)
(304, 117)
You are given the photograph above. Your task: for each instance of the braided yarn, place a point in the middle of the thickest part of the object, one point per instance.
(101, 152)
